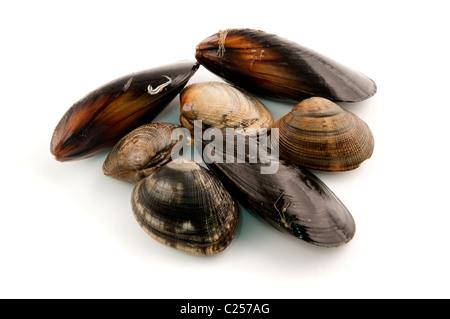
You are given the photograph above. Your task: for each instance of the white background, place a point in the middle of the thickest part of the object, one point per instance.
(67, 231)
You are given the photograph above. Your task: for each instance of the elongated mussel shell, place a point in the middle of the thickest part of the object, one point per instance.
(291, 200)
(141, 152)
(105, 115)
(221, 105)
(273, 67)
(184, 206)
(319, 134)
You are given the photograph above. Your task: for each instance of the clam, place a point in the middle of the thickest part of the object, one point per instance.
(220, 105)
(270, 66)
(319, 134)
(141, 152)
(291, 199)
(185, 206)
(106, 114)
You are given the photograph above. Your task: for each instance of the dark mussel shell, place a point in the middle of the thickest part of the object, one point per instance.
(276, 68)
(105, 115)
(292, 200)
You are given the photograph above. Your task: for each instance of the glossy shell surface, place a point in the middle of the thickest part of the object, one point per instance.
(105, 115)
(184, 206)
(291, 200)
(141, 152)
(271, 66)
(221, 105)
(321, 135)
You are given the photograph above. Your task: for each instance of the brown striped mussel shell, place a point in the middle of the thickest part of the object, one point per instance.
(105, 115)
(319, 134)
(274, 67)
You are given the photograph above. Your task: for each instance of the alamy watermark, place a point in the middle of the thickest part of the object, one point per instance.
(229, 146)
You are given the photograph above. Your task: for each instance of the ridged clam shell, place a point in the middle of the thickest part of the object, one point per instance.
(184, 206)
(221, 105)
(319, 134)
(105, 115)
(292, 200)
(274, 67)
(141, 152)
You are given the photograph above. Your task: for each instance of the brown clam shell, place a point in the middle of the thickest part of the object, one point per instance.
(221, 105)
(185, 206)
(319, 134)
(141, 152)
(274, 67)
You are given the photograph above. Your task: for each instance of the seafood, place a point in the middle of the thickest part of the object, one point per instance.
(270, 66)
(195, 209)
(220, 105)
(292, 200)
(105, 115)
(319, 134)
(185, 206)
(141, 152)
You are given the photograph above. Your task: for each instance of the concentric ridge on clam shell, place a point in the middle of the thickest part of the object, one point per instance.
(141, 152)
(319, 134)
(274, 67)
(185, 206)
(221, 105)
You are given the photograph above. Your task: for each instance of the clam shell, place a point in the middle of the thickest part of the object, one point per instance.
(319, 134)
(292, 200)
(105, 115)
(184, 206)
(270, 66)
(141, 152)
(220, 105)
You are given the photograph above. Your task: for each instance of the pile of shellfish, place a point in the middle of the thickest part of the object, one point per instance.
(193, 207)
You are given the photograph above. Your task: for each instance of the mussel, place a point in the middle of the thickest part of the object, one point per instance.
(141, 152)
(291, 199)
(319, 134)
(221, 105)
(185, 206)
(105, 115)
(270, 66)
